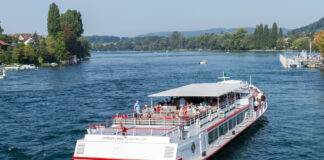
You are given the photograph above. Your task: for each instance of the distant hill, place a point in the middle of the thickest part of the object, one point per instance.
(197, 33)
(316, 26)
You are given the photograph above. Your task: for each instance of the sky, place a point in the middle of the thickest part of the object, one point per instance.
(134, 17)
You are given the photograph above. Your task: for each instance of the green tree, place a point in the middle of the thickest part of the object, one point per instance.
(256, 35)
(35, 42)
(226, 44)
(237, 37)
(29, 55)
(259, 41)
(203, 41)
(73, 17)
(1, 29)
(301, 44)
(247, 42)
(60, 48)
(281, 44)
(274, 35)
(42, 52)
(176, 40)
(18, 53)
(266, 37)
(70, 38)
(53, 20)
(2, 56)
(84, 50)
(280, 33)
(50, 45)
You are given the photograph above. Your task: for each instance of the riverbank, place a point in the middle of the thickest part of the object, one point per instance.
(204, 50)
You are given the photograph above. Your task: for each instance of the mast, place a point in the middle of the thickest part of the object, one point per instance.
(224, 77)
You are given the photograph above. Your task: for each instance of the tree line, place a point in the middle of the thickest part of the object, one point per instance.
(263, 38)
(64, 40)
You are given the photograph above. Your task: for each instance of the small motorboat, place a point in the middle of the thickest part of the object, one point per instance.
(3, 76)
(203, 62)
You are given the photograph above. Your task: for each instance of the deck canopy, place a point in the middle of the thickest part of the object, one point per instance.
(201, 90)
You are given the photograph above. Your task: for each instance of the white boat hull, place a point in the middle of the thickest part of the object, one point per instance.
(143, 147)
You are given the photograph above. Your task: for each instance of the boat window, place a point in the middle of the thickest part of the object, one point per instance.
(234, 122)
(216, 133)
(238, 117)
(225, 127)
(230, 124)
(221, 129)
(212, 135)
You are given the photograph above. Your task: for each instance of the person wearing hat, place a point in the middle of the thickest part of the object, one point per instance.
(137, 109)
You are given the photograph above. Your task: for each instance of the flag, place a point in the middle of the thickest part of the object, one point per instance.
(124, 129)
(224, 74)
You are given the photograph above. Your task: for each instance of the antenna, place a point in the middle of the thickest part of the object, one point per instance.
(223, 77)
(250, 79)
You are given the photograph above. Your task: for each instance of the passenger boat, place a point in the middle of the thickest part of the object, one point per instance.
(174, 130)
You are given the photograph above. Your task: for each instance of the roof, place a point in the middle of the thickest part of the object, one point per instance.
(202, 89)
(25, 36)
(4, 43)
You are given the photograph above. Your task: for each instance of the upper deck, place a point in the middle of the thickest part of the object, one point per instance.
(164, 118)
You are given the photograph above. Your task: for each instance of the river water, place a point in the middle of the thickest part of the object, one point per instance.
(43, 112)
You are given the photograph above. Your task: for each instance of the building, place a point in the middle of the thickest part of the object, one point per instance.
(26, 38)
(4, 45)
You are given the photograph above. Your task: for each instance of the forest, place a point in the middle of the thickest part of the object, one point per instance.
(263, 38)
(64, 41)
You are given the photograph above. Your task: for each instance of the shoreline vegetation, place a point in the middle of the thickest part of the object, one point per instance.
(263, 39)
(63, 45)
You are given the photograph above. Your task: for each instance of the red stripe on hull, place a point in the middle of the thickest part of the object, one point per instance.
(95, 158)
(215, 125)
(234, 136)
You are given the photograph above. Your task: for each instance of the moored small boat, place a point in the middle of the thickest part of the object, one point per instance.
(203, 62)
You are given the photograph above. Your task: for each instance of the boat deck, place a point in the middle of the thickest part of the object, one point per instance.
(161, 126)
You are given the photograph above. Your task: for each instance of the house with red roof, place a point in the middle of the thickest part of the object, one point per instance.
(3, 45)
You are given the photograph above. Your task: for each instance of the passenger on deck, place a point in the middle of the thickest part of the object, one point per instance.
(263, 97)
(256, 105)
(201, 107)
(193, 110)
(166, 102)
(208, 106)
(158, 108)
(171, 101)
(182, 102)
(204, 102)
(181, 112)
(145, 111)
(137, 109)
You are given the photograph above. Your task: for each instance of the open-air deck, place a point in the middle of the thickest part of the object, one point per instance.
(165, 120)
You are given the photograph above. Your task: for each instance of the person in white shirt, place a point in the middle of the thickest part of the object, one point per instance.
(256, 104)
(181, 112)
